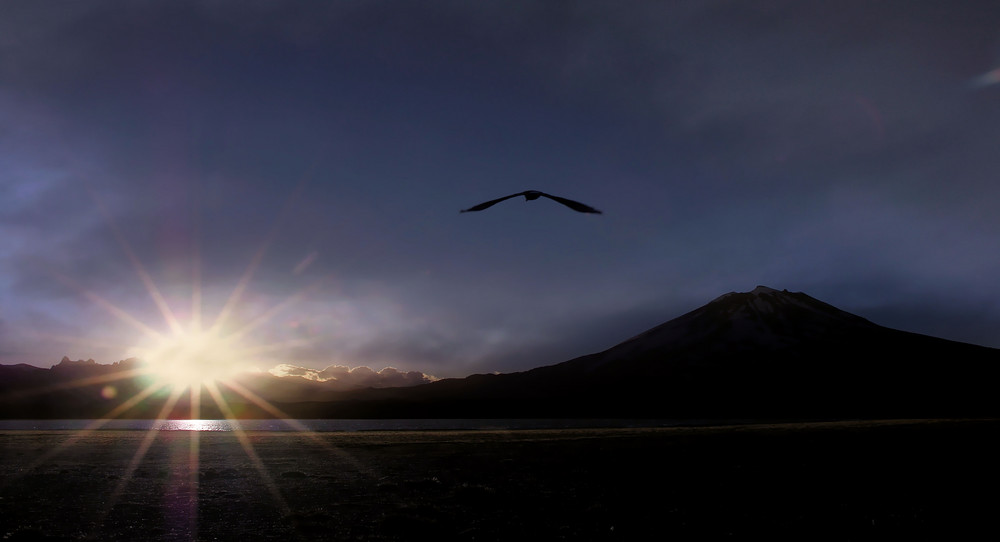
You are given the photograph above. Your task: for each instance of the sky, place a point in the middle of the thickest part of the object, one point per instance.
(291, 173)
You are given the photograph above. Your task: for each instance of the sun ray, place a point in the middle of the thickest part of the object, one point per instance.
(277, 308)
(195, 322)
(140, 270)
(125, 406)
(79, 383)
(195, 403)
(237, 294)
(302, 429)
(266, 405)
(247, 446)
(75, 341)
(271, 347)
(207, 346)
(139, 455)
(182, 334)
(96, 424)
(234, 298)
(194, 464)
(194, 459)
(121, 314)
(147, 441)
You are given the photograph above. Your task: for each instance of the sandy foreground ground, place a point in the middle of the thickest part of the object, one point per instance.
(890, 480)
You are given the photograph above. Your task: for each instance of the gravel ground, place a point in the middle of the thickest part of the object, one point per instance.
(889, 480)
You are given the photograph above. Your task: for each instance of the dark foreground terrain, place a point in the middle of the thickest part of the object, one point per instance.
(836, 481)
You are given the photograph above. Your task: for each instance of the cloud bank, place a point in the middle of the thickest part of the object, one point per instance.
(341, 377)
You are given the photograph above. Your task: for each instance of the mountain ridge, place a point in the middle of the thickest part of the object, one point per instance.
(766, 353)
(763, 353)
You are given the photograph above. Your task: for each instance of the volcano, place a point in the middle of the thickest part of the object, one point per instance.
(766, 353)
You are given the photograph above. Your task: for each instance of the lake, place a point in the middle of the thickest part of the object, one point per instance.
(333, 425)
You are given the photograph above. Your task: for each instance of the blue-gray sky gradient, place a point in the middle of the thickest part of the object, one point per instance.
(844, 149)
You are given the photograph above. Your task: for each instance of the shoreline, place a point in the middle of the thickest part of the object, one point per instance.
(348, 425)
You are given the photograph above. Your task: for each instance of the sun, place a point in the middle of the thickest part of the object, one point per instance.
(188, 356)
(191, 359)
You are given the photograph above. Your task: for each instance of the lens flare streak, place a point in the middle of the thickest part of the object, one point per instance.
(176, 347)
(293, 423)
(247, 446)
(80, 383)
(140, 453)
(140, 270)
(97, 424)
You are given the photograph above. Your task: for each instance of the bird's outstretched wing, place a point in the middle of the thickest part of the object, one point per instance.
(575, 205)
(490, 203)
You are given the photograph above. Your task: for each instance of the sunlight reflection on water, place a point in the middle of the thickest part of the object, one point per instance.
(333, 424)
(195, 425)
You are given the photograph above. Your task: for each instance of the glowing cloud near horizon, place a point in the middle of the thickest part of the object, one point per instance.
(187, 355)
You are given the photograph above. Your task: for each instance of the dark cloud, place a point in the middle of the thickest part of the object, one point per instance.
(831, 148)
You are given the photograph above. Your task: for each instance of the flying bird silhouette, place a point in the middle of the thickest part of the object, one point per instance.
(532, 195)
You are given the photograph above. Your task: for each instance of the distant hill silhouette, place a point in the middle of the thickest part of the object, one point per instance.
(759, 354)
